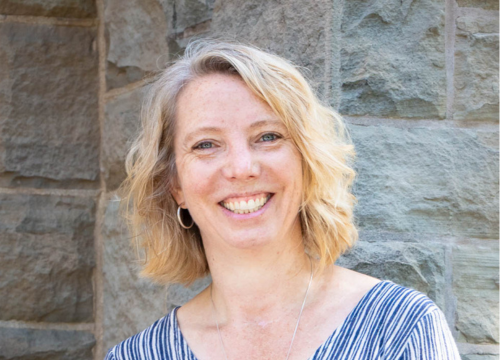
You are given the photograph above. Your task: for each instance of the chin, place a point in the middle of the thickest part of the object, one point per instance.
(249, 241)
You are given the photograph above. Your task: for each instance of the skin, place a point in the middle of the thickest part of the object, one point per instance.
(230, 146)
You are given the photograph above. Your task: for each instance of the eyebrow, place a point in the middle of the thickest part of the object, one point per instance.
(202, 130)
(213, 129)
(265, 122)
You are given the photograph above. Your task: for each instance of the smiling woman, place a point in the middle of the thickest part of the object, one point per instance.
(195, 107)
(241, 173)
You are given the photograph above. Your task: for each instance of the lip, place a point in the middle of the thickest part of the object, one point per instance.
(252, 215)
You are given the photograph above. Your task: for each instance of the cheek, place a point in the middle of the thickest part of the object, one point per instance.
(286, 165)
(197, 182)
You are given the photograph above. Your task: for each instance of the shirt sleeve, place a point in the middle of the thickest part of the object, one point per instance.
(110, 355)
(431, 339)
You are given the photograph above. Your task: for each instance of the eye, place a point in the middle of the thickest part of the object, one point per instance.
(269, 137)
(204, 145)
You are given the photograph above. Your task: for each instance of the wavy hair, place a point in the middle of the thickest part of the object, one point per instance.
(176, 255)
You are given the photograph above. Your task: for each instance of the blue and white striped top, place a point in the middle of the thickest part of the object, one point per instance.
(389, 322)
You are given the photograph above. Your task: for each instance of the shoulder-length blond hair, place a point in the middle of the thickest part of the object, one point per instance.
(176, 255)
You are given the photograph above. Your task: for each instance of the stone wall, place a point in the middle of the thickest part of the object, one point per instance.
(416, 80)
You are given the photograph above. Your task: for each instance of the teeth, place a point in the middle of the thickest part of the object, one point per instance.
(242, 207)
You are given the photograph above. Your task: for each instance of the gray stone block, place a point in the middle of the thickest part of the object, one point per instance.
(47, 257)
(117, 77)
(188, 13)
(295, 30)
(121, 125)
(131, 304)
(56, 8)
(430, 182)
(476, 67)
(191, 19)
(31, 344)
(417, 266)
(137, 33)
(475, 286)
(393, 61)
(49, 129)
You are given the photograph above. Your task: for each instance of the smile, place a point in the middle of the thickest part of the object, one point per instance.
(248, 205)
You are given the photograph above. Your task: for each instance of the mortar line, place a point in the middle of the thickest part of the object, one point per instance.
(449, 29)
(53, 192)
(98, 276)
(422, 123)
(113, 93)
(328, 55)
(52, 21)
(17, 324)
(473, 349)
(450, 301)
(335, 80)
(463, 11)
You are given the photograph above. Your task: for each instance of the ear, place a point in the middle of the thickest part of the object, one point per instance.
(178, 195)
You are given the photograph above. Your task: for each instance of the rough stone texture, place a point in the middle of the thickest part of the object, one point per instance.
(47, 257)
(30, 344)
(393, 61)
(475, 285)
(188, 13)
(137, 33)
(131, 304)
(57, 8)
(49, 130)
(439, 182)
(417, 266)
(121, 124)
(190, 19)
(293, 29)
(482, 4)
(476, 67)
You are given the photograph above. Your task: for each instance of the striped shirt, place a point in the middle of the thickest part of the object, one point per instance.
(389, 322)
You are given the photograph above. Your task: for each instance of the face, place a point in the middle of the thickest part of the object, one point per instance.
(239, 173)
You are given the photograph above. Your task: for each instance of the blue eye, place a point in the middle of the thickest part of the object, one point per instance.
(269, 137)
(204, 145)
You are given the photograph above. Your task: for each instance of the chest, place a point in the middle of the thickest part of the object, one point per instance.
(269, 339)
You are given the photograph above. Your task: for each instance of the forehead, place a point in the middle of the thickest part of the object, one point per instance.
(219, 99)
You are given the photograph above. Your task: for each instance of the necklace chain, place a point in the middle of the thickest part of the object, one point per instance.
(214, 315)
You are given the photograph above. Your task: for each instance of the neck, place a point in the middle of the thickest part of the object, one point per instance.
(258, 284)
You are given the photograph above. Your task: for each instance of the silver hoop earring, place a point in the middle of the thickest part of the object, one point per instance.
(180, 219)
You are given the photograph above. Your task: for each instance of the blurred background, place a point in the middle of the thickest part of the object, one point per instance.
(417, 83)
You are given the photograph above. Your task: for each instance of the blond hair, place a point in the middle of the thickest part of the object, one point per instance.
(176, 255)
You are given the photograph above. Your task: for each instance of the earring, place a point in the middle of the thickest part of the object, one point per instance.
(180, 219)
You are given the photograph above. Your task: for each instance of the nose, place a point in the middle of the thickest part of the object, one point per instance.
(241, 163)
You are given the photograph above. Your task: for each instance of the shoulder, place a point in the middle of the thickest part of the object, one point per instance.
(383, 299)
(379, 306)
(146, 344)
(409, 323)
(395, 303)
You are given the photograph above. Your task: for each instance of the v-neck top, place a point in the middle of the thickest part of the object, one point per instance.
(389, 322)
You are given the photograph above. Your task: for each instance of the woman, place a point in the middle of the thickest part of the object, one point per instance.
(241, 173)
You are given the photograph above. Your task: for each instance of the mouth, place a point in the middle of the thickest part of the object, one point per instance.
(246, 205)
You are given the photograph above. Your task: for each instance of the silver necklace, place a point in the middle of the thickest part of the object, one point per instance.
(214, 315)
